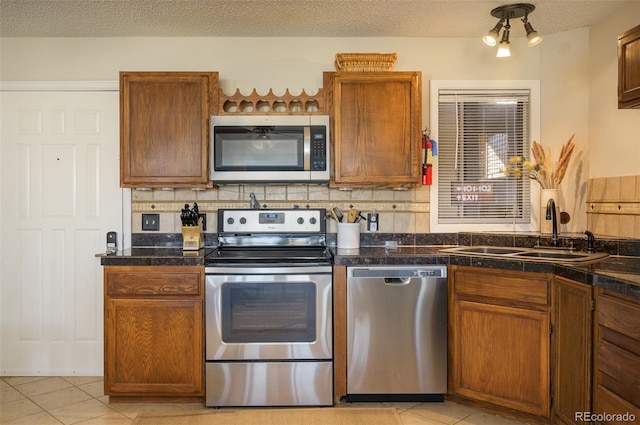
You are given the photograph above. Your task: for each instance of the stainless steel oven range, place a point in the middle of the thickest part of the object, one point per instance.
(268, 329)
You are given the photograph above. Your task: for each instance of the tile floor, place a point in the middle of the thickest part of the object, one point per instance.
(80, 400)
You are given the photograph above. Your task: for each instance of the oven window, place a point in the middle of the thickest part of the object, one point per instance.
(268, 312)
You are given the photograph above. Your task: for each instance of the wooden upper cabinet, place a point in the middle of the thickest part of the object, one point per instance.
(164, 128)
(629, 69)
(376, 128)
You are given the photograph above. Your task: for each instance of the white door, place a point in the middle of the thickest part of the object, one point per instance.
(60, 195)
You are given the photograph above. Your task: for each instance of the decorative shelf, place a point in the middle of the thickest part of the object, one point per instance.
(257, 104)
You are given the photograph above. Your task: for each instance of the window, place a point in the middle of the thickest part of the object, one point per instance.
(478, 126)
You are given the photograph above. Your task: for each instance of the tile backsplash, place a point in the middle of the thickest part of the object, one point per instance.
(400, 211)
(613, 205)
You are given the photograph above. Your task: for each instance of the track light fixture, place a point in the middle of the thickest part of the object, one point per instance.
(503, 48)
(504, 14)
(491, 39)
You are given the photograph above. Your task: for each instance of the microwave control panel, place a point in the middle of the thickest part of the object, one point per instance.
(318, 148)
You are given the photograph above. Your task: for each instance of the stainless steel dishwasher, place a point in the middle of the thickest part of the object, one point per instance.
(396, 333)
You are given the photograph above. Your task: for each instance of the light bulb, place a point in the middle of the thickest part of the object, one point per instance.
(491, 39)
(503, 50)
(532, 35)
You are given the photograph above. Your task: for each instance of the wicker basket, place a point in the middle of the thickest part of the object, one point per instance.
(365, 61)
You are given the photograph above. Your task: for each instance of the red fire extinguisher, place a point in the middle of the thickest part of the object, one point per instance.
(427, 165)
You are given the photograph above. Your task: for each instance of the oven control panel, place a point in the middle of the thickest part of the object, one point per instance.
(272, 221)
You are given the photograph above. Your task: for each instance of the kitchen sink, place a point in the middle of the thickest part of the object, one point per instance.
(530, 254)
(548, 254)
(492, 250)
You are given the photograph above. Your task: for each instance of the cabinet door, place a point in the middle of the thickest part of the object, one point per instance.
(153, 330)
(617, 357)
(501, 356)
(499, 338)
(154, 347)
(572, 347)
(629, 69)
(164, 134)
(376, 119)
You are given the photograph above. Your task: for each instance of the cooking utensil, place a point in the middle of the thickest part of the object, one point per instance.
(352, 215)
(338, 213)
(333, 215)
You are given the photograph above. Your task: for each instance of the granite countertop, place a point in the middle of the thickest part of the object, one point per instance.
(617, 273)
(155, 256)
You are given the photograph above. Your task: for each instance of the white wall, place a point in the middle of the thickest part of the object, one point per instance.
(614, 145)
(561, 62)
(564, 111)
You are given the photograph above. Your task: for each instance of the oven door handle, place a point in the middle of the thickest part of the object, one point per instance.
(266, 269)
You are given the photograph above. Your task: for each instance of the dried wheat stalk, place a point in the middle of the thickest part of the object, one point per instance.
(538, 153)
(543, 167)
(563, 161)
(550, 175)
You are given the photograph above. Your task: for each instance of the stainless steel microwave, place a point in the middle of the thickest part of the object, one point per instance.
(269, 149)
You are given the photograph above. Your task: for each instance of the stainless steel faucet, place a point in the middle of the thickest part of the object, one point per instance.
(551, 215)
(254, 204)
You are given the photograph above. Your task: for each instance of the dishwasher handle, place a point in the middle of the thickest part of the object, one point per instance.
(392, 273)
(397, 281)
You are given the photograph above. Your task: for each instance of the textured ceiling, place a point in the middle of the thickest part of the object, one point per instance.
(283, 18)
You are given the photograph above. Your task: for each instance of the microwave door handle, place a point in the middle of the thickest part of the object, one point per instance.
(307, 148)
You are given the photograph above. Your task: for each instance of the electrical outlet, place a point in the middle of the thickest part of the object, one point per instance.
(151, 222)
(203, 219)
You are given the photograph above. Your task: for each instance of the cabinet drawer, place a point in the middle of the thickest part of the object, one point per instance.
(528, 288)
(619, 371)
(620, 316)
(607, 402)
(145, 281)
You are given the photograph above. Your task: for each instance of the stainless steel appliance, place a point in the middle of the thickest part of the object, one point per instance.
(396, 333)
(269, 148)
(268, 328)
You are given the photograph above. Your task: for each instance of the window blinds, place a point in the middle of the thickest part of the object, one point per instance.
(478, 131)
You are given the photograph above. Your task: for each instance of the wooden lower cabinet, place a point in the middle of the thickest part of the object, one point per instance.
(572, 348)
(499, 338)
(616, 389)
(154, 331)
